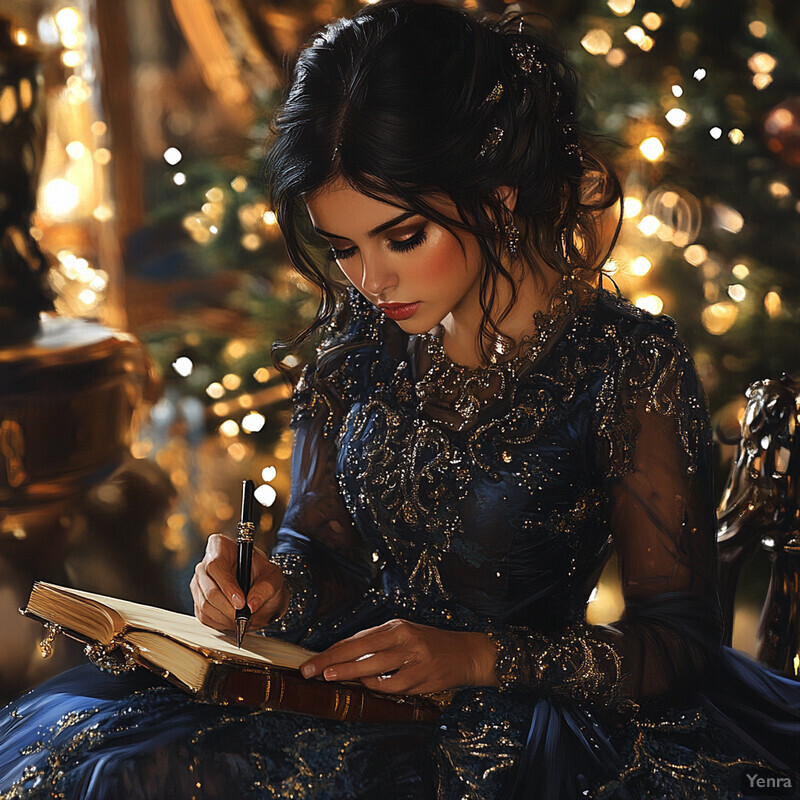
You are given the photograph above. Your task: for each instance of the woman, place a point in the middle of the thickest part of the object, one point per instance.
(482, 426)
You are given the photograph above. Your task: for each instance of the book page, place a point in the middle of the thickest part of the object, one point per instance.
(190, 631)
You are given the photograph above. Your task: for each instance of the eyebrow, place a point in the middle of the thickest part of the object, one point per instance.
(376, 230)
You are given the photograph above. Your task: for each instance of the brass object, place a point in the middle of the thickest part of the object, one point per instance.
(115, 658)
(46, 645)
(759, 507)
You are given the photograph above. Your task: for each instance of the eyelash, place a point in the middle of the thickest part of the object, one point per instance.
(398, 247)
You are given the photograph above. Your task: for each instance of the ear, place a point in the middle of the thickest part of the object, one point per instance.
(507, 195)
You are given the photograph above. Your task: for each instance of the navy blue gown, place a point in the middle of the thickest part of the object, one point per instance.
(483, 500)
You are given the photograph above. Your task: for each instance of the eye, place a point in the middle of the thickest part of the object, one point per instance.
(402, 246)
(409, 244)
(339, 255)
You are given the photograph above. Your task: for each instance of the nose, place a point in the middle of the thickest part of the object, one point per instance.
(376, 277)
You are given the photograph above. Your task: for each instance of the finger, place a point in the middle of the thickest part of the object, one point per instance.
(367, 666)
(405, 681)
(212, 594)
(267, 584)
(373, 641)
(205, 612)
(222, 572)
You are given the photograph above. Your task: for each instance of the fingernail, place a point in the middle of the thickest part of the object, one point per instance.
(237, 601)
(308, 670)
(329, 674)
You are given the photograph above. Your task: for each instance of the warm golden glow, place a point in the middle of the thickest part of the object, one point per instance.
(761, 62)
(773, 304)
(737, 292)
(597, 42)
(779, 189)
(641, 266)
(649, 225)
(650, 302)
(229, 428)
(635, 34)
(215, 390)
(621, 7)
(695, 254)
(652, 21)
(677, 117)
(261, 374)
(652, 148)
(736, 135)
(632, 207)
(761, 80)
(740, 271)
(616, 57)
(253, 422)
(758, 29)
(719, 317)
(232, 381)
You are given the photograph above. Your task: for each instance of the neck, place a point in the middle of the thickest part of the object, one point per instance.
(460, 327)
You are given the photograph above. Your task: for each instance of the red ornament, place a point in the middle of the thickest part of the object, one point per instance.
(782, 131)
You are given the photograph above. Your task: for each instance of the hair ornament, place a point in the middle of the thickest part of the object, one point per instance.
(495, 95)
(491, 141)
(525, 55)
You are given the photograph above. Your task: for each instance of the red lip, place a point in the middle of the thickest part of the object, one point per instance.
(399, 311)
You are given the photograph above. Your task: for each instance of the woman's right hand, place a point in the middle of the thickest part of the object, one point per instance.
(217, 594)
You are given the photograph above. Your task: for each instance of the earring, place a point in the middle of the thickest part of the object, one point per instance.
(512, 237)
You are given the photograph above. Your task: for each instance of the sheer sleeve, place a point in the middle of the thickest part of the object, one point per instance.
(653, 443)
(326, 564)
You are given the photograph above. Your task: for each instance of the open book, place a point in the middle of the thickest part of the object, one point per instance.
(207, 663)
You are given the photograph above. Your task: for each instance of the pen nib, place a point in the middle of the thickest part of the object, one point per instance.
(241, 627)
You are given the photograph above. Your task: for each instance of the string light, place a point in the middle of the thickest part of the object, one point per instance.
(632, 207)
(652, 148)
(253, 422)
(641, 266)
(650, 302)
(740, 271)
(736, 135)
(172, 156)
(737, 292)
(183, 366)
(677, 117)
(773, 304)
(649, 225)
(718, 318)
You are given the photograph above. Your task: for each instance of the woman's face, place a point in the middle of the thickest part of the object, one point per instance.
(398, 258)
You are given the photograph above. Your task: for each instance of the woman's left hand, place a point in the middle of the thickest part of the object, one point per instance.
(422, 659)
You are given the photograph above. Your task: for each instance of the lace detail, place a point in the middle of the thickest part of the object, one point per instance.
(660, 758)
(466, 390)
(297, 576)
(572, 662)
(654, 368)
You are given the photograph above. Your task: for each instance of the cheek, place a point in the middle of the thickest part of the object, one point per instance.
(444, 264)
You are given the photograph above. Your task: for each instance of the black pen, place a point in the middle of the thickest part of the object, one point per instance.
(244, 556)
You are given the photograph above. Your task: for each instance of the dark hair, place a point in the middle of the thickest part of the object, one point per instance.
(396, 101)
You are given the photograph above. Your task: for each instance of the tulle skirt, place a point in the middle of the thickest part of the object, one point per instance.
(88, 735)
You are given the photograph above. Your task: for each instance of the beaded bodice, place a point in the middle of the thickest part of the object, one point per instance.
(491, 499)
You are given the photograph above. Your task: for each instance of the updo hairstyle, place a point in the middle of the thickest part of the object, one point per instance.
(406, 99)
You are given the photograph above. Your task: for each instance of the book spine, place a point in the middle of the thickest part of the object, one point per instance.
(282, 690)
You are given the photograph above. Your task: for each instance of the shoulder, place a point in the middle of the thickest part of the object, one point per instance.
(639, 339)
(648, 366)
(351, 346)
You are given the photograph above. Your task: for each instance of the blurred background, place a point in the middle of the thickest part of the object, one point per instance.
(143, 277)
